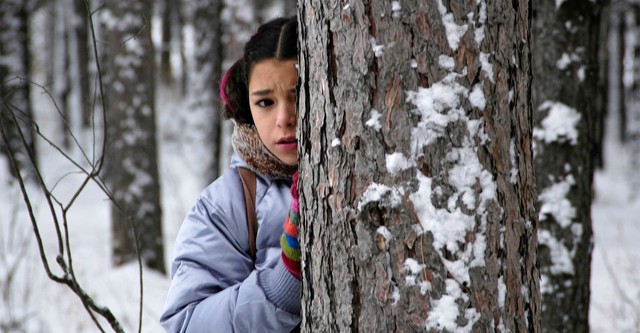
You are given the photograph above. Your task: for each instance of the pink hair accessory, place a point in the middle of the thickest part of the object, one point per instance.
(223, 93)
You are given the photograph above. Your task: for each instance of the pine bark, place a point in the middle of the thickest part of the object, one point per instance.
(360, 64)
(565, 77)
(131, 134)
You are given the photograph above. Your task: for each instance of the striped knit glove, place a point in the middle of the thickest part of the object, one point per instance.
(289, 239)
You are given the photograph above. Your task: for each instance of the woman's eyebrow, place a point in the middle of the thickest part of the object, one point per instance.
(262, 92)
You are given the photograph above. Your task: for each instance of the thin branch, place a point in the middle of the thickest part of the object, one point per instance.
(27, 201)
(100, 85)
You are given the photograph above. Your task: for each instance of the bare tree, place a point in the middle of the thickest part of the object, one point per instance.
(416, 167)
(565, 49)
(131, 134)
(15, 142)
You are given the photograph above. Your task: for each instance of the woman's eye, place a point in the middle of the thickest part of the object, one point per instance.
(263, 103)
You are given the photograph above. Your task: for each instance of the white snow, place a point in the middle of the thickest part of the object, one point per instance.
(376, 192)
(476, 97)
(382, 230)
(438, 106)
(397, 162)
(374, 121)
(559, 125)
(446, 62)
(487, 67)
(554, 202)
(454, 31)
(378, 50)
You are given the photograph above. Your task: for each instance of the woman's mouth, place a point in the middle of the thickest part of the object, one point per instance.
(288, 143)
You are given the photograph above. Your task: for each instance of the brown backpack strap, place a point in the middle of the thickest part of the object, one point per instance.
(248, 178)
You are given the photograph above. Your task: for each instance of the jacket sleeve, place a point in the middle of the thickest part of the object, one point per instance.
(214, 287)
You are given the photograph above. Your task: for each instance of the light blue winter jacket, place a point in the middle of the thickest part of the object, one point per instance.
(214, 285)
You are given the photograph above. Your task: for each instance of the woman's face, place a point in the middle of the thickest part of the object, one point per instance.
(272, 98)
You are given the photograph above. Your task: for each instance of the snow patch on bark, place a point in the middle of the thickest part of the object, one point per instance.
(559, 125)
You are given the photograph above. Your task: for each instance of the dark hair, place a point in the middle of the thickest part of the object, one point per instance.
(275, 39)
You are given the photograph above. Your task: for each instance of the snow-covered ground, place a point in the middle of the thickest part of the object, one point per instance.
(615, 268)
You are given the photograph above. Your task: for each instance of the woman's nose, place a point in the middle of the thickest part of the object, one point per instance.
(286, 115)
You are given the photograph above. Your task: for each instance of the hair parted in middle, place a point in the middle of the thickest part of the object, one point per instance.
(276, 39)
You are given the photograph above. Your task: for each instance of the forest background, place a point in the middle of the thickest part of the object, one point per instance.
(68, 145)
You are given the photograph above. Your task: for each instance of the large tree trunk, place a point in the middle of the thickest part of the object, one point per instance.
(602, 85)
(61, 74)
(131, 134)
(15, 110)
(170, 23)
(616, 64)
(81, 51)
(565, 45)
(206, 70)
(416, 167)
(632, 92)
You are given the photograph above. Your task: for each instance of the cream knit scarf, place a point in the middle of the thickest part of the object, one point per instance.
(247, 144)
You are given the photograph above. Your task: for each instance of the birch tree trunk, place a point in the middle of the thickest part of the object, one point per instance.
(564, 49)
(131, 134)
(417, 187)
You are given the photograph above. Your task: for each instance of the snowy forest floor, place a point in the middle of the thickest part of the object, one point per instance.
(41, 305)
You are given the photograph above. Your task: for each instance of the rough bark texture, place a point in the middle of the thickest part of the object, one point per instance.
(131, 134)
(565, 70)
(15, 109)
(363, 59)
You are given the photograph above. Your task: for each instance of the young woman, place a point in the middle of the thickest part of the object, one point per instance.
(216, 285)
